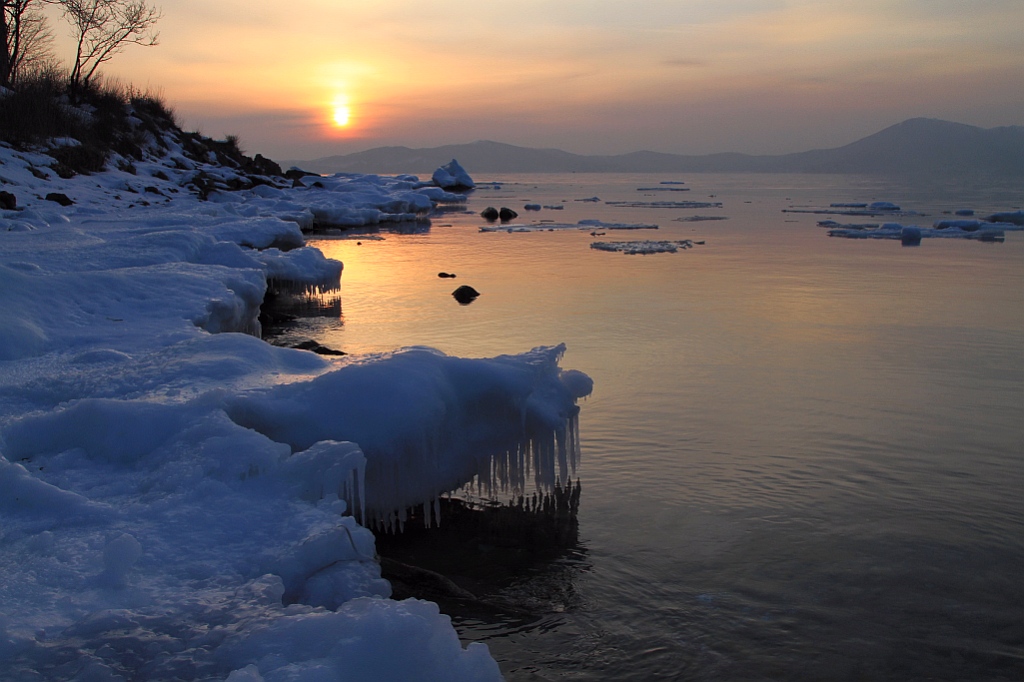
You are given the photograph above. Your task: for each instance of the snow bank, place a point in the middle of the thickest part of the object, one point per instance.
(181, 500)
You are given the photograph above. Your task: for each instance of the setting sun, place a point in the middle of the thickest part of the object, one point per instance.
(341, 115)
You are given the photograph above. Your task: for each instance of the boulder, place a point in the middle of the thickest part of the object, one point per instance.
(465, 294)
(490, 213)
(61, 199)
(507, 214)
(453, 176)
(8, 202)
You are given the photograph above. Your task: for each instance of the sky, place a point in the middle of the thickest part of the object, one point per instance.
(586, 76)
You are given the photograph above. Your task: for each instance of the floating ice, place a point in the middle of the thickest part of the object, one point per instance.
(909, 234)
(1014, 217)
(581, 225)
(644, 247)
(665, 204)
(877, 208)
(453, 176)
(700, 218)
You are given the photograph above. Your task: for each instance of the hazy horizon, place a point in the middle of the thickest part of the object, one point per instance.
(749, 76)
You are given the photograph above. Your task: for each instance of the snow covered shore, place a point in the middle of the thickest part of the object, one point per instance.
(180, 500)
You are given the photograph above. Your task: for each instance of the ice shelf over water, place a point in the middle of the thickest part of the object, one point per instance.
(180, 500)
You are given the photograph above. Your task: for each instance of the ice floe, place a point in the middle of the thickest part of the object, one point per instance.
(877, 208)
(665, 204)
(645, 247)
(581, 225)
(912, 234)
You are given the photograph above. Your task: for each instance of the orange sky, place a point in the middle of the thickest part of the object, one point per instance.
(589, 76)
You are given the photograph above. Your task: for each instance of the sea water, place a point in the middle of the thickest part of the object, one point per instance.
(804, 455)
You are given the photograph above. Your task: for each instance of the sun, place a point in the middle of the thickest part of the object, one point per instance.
(341, 115)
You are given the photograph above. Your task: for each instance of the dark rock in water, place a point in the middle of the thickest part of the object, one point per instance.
(61, 199)
(489, 213)
(507, 214)
(465, 294)
(8, 201)
(318, 348)
(294, 173)
(450, 275)
(532, 207)
(910, 236)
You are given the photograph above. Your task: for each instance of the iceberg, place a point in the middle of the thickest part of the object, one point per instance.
(453, 176)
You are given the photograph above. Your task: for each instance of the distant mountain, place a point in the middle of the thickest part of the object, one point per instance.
(916, 146)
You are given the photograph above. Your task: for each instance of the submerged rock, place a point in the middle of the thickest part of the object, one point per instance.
(506, 214)
(490, 213)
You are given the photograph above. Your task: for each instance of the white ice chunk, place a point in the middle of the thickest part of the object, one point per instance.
(453, 176)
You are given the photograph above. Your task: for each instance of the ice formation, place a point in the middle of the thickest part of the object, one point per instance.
(645, 247)
(581, 225)
(877, 208)
(453, 176)
(179, 499)
(665, 204)
(913, 234)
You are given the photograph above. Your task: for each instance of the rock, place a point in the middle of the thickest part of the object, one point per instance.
(317, 348)
(294, 173)
(61, 199)
(490, 213)
(453, 176)
(532, 207)
(507, 214)
(910, 236)
(465, 294)
(450, 275)
(8, 201)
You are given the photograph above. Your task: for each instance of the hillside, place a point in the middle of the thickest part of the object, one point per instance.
(916, 146)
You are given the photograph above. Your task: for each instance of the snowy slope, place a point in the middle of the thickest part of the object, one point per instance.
(179, 499)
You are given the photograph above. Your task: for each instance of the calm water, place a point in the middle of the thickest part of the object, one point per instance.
(803, 456)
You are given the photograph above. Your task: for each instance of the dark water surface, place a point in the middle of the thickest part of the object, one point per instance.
(804, 456)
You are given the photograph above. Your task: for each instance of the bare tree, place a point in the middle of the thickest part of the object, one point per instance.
(103, 28)
(26, 38)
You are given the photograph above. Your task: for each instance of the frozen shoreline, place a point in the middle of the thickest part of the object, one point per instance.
(170, 484)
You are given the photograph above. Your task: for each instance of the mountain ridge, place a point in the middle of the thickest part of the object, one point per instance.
(914, 146)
